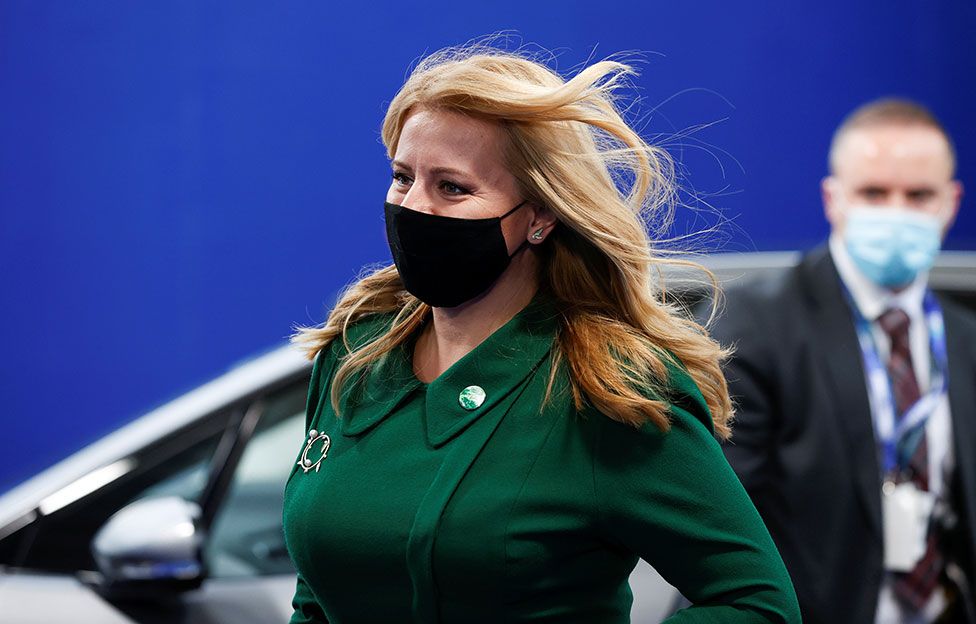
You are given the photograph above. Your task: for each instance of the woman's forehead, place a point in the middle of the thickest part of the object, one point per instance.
(434, 138)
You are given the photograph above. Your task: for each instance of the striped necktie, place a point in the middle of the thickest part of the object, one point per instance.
(912, 588)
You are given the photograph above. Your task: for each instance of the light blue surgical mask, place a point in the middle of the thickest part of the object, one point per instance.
(891, 246)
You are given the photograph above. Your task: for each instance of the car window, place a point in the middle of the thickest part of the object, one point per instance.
(246, 538)
(176, 464)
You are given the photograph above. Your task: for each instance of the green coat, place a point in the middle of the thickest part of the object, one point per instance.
(424, 510)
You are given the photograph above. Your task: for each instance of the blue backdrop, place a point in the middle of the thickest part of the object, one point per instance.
(182, 182)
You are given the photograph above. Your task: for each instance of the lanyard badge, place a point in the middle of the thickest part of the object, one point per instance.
(890, 429)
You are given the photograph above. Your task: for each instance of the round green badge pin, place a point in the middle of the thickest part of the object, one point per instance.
(472, 397)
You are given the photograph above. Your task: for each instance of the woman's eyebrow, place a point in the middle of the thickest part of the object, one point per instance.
(435, 170)
(450, 171)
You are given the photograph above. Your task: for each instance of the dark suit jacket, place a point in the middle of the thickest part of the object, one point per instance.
(803, 442)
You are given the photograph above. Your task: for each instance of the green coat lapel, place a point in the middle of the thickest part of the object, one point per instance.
(496, 366)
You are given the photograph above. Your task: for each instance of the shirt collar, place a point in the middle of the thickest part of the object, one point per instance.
(872, 300)
(497, 366)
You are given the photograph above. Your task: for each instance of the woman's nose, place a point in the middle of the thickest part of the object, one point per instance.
(419, 200)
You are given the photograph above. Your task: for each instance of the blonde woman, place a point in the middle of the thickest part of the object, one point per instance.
(501, 423)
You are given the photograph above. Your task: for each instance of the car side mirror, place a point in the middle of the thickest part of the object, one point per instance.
(151, 545)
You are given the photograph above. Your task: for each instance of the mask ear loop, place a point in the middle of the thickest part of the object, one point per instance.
(522, 203)
(537, 235)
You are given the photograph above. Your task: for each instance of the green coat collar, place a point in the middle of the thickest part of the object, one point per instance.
(497, 366)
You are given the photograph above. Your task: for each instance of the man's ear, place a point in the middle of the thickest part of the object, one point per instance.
(954, 201)
(830, 195)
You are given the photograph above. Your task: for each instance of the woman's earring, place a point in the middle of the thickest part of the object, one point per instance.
(537, 235)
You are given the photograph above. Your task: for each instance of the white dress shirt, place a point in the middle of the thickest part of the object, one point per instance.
(872, 300)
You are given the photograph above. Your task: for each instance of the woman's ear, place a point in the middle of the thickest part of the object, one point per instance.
(543, 220)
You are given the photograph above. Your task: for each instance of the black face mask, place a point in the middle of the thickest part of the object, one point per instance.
(446, 261)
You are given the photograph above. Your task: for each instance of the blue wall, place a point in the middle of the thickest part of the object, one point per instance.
(182, 182)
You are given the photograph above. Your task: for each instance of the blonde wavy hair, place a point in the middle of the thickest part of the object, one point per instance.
(572, 152)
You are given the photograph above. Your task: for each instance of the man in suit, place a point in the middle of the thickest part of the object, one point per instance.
(856, 426)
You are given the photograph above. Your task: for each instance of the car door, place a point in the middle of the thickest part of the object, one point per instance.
(235, 470)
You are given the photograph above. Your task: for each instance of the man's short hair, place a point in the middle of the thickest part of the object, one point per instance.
(890, 111)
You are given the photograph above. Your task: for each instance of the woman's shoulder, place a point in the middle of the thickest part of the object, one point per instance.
(687, 411)
(649, 457)
(367, 328)
(684, 396)
(356, 335)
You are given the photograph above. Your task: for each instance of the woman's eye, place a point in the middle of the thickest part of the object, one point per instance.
(400, 179)
(453, 189)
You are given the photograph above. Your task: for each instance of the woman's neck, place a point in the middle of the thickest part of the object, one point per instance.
(454, 332)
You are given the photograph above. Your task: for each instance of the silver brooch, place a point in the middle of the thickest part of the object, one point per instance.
(313, 437)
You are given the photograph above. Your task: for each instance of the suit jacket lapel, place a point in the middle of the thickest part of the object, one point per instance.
(962, 398)
(844, 368)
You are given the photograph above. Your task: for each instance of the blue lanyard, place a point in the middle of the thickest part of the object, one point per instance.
(889, 429)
